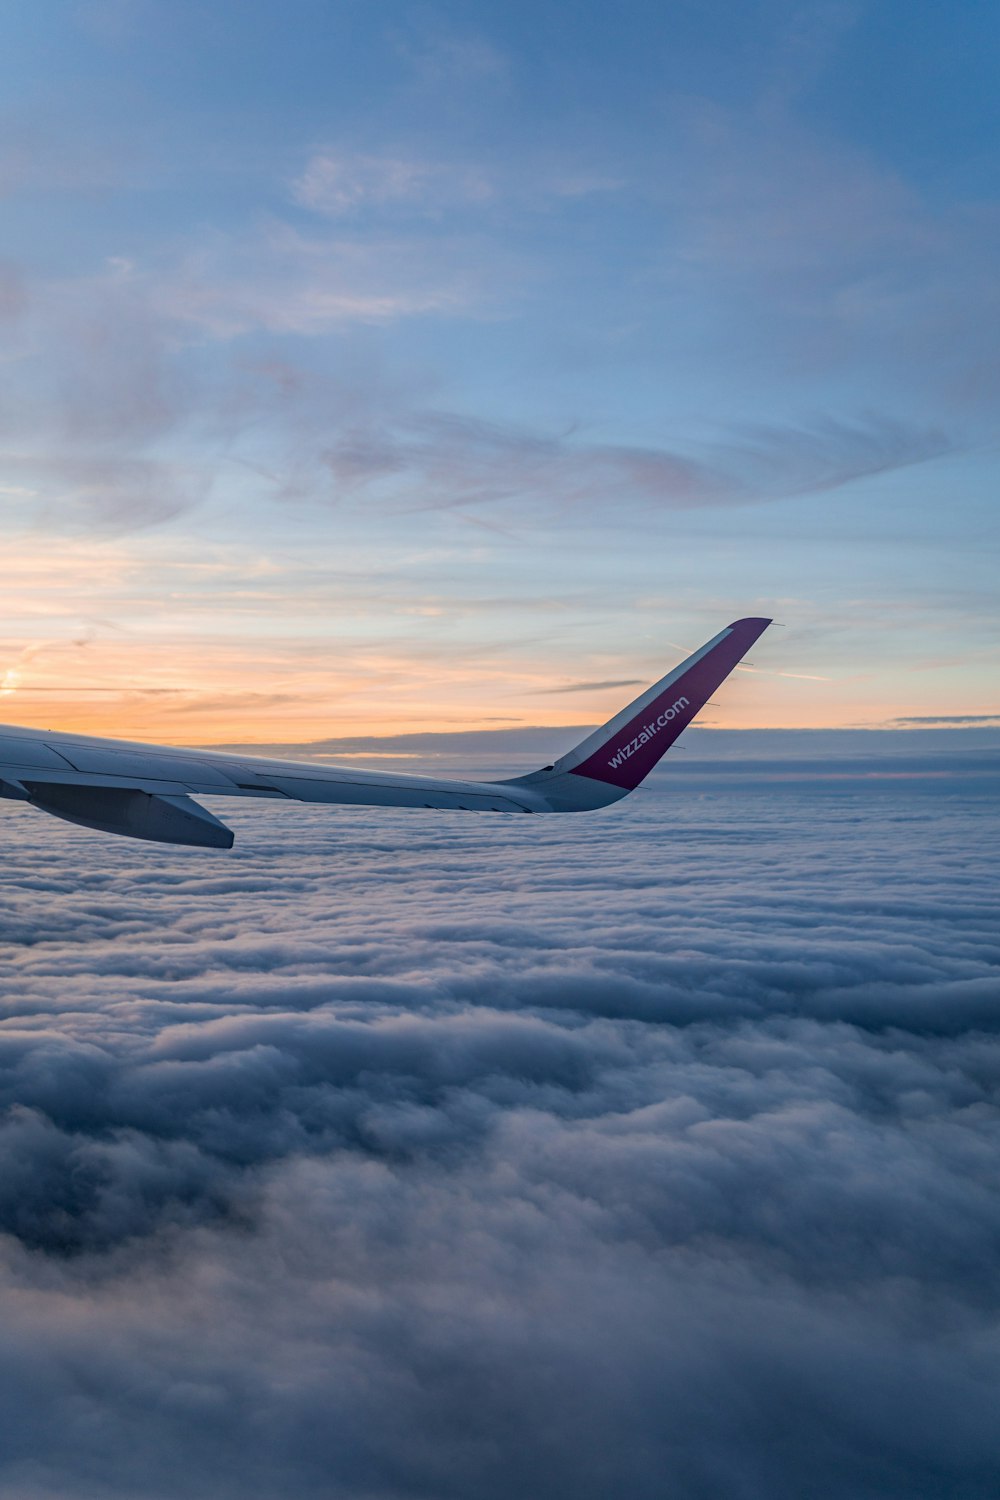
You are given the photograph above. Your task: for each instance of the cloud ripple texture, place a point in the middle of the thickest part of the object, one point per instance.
(649, 1154)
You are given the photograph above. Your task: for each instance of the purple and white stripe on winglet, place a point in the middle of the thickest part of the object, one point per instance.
(627, 748)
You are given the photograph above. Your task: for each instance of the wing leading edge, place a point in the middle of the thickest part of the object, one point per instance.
(146, 791)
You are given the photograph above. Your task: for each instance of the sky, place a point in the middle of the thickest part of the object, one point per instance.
(399, 368)
(390, 1157)
(422, 381)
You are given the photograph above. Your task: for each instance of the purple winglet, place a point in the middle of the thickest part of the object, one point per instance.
(632, 751)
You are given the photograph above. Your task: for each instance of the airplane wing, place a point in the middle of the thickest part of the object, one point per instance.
(147, 791)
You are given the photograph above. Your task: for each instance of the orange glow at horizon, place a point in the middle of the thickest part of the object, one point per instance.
(222, 693)
(130, 640)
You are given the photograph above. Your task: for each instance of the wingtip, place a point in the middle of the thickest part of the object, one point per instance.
(751, 622)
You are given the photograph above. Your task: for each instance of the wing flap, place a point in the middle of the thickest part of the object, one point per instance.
(400, 792)
(148, 766)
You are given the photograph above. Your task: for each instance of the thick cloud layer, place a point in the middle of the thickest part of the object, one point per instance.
(386, 1156)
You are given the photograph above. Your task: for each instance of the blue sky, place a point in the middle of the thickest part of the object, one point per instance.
(400, 367)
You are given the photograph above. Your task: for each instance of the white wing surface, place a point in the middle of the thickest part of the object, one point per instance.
(148, 791)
